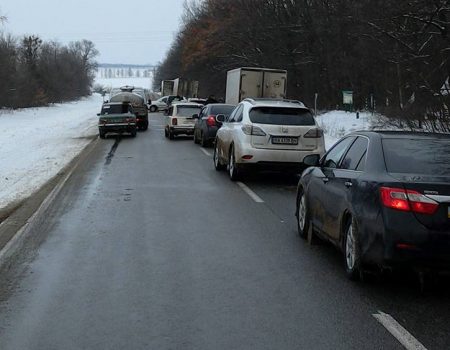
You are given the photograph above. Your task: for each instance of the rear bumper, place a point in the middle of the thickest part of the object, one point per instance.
(405, 242)
(117, 128)
(182, 130)
(272, 157)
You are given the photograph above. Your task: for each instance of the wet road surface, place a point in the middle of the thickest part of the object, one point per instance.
(148, 247)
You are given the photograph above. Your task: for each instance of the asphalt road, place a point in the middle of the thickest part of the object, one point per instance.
(148, 247)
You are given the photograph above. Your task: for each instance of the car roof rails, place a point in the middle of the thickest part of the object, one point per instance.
(255, 100)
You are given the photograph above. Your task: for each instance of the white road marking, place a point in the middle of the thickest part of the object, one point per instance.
(206, 152)
(396, 329)
(252, 194)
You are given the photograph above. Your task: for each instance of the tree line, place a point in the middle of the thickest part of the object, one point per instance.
(394, 55)
(35, 73)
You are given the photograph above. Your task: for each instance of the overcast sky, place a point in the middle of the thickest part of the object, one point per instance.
(134, 32)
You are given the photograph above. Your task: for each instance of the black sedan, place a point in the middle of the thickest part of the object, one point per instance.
(206, 126)
(383, 198)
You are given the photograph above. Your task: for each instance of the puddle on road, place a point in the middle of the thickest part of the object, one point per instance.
(111, 153)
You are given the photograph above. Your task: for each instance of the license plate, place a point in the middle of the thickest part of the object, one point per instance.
(285, 140)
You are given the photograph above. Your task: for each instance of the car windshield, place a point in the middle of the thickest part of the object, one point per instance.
(226, 110)
(187, 111)
(417, 156)
(115, 109)
(281, 116)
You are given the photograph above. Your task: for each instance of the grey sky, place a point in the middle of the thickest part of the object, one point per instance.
(137, 31)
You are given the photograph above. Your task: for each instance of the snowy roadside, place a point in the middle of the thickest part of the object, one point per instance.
(339, 123)
(36, 143)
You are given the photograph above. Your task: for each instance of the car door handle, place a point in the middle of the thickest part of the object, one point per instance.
(348, 184)
(325, 180)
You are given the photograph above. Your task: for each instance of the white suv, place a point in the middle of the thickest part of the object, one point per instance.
(267, 134)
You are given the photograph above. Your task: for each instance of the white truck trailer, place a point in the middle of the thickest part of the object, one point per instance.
(255, 83)
(167, 87)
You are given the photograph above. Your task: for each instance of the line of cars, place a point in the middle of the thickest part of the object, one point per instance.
(382, 198)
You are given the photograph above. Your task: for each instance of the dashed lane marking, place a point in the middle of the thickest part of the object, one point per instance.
(396, 329)
(206, 152)
(252, 194)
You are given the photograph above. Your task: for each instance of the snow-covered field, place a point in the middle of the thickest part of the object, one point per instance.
(118, 82)
(36, 143)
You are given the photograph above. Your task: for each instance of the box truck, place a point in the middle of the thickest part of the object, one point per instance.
(167, 87)
(185, 88)
(255, 83)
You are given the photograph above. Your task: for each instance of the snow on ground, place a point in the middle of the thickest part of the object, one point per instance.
(36, 143)
(339, 123)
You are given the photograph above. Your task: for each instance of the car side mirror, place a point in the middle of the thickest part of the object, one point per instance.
(221, 118)
(312, 160)
(98, 114)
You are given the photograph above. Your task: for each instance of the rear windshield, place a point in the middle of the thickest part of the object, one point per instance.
(115, 109)
(226, 110)
(187, 111)
(417, 156)
(281, 116)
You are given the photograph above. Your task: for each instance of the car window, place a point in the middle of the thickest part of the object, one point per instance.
(355, 153)
(226, 110)
(424, 156)
(362, 163)
(281, 116)
(239, 114)
(333, 157)
(233, 115)
(164, 100)
(115, 109)
(171, 111)
(187, 111)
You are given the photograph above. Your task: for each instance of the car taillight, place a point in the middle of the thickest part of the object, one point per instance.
(129, 120)
(174, 121)
(314, 134)
(252, 130)
(407, 200)
(211, 121)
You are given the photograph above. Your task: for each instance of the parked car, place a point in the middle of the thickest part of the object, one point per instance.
(383, 198)
(180, 119)
(159, 105)
(267, 135)
(206, 125)
(201, 101)
(116, 117)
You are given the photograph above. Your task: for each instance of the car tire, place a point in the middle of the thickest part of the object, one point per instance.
(302, 214)
(145, 127)
(196, 140)
(233, 172)
(102, 134)
(171, 135)
(217, 164)
(133, 133)
(203, 141)
(352, 251)
(153, 109)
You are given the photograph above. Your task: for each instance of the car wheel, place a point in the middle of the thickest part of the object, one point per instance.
(171, 135)
(303, 221)
(196, 141)
(133, 133)
(203, 140)
(352, 251)
(217, 164)
(102, 134)
(153, 109)
(232, 170)
(166, 134)
(145, 127)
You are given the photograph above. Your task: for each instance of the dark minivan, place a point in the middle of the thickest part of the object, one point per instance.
(383, 198)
